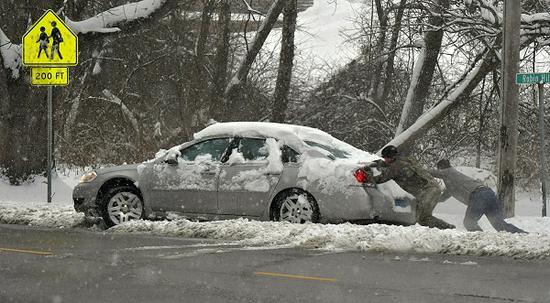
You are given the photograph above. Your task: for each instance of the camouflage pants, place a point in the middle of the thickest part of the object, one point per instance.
(426, 201)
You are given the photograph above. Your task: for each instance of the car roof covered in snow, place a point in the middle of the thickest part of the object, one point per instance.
(290, 134)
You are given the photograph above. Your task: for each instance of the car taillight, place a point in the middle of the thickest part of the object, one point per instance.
(361, 176)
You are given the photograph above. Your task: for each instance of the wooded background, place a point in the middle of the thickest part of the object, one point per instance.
(159, 79)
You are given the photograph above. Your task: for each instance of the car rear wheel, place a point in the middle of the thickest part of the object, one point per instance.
(296, 206)
(122, 204)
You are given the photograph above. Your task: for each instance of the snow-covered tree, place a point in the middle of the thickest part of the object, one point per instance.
(150, 74)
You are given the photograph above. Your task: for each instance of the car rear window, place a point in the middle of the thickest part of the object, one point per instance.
(333, 152)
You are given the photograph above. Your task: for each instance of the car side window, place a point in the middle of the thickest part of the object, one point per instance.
(289, 155)
(206, 150)
(253, 149)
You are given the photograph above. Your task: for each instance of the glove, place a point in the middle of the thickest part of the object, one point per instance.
(377, 163)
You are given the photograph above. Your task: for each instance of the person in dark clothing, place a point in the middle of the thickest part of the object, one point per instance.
(44, 41)
(417, 181)
(480, 199)
(56, 40)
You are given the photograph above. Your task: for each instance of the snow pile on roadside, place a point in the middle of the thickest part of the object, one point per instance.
(53, 216)
(26, 205)
(375, 237)
(268, 235)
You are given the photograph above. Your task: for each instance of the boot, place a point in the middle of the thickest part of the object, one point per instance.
(434, 222)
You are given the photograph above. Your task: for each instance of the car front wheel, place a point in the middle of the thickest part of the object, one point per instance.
(122, 204)
(296, 206)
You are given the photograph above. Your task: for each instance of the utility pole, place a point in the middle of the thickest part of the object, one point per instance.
(509, 107)
(543, 166)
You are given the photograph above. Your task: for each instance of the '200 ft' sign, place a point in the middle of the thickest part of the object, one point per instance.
(50, 76)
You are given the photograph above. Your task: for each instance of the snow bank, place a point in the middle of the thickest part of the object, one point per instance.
(26, 205)
(375, 237)
(53, 216)
(349, 237)
(267, 235)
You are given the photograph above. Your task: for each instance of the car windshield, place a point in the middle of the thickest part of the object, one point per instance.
(333, 152)
(209, 150)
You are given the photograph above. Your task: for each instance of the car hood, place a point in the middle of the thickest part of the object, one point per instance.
(129, 168)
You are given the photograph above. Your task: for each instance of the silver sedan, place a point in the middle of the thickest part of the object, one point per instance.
(257, 170)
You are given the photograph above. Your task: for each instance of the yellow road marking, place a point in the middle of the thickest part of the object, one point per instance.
(273, 274)
(25, 251)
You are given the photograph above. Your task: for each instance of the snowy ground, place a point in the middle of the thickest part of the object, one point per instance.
(319, 25)
(26, 204)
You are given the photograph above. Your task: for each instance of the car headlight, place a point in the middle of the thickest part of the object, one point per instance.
(88, 177)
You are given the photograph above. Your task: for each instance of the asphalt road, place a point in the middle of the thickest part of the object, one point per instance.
(78, 265)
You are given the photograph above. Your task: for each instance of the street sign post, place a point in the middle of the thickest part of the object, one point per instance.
(539, 79)
(49, 46)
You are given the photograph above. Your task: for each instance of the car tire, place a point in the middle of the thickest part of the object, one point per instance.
(295, 206)
(122, 204)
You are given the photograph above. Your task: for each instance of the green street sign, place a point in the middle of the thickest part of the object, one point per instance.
(533, 78)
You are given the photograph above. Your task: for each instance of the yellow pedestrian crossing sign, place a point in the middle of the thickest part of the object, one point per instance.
(49, 42)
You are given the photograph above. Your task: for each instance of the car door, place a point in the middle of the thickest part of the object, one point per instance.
(189, 182)
(249, 176)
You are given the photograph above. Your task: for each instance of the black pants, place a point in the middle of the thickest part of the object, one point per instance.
(484, 201)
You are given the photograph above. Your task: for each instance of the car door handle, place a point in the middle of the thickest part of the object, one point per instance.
(273, 174)
(208, 172)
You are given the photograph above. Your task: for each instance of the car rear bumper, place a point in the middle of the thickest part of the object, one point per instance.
(360, 203)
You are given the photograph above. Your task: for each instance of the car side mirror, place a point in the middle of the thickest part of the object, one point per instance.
(171, 160)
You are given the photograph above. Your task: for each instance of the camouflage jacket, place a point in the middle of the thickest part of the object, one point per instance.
(408, 174)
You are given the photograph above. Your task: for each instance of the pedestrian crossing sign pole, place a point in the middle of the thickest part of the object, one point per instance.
(49, 47)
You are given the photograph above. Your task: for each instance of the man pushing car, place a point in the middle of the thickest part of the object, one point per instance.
(417, 181)
(480, 199)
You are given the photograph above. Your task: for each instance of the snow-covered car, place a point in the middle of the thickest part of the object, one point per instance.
(257, 170)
